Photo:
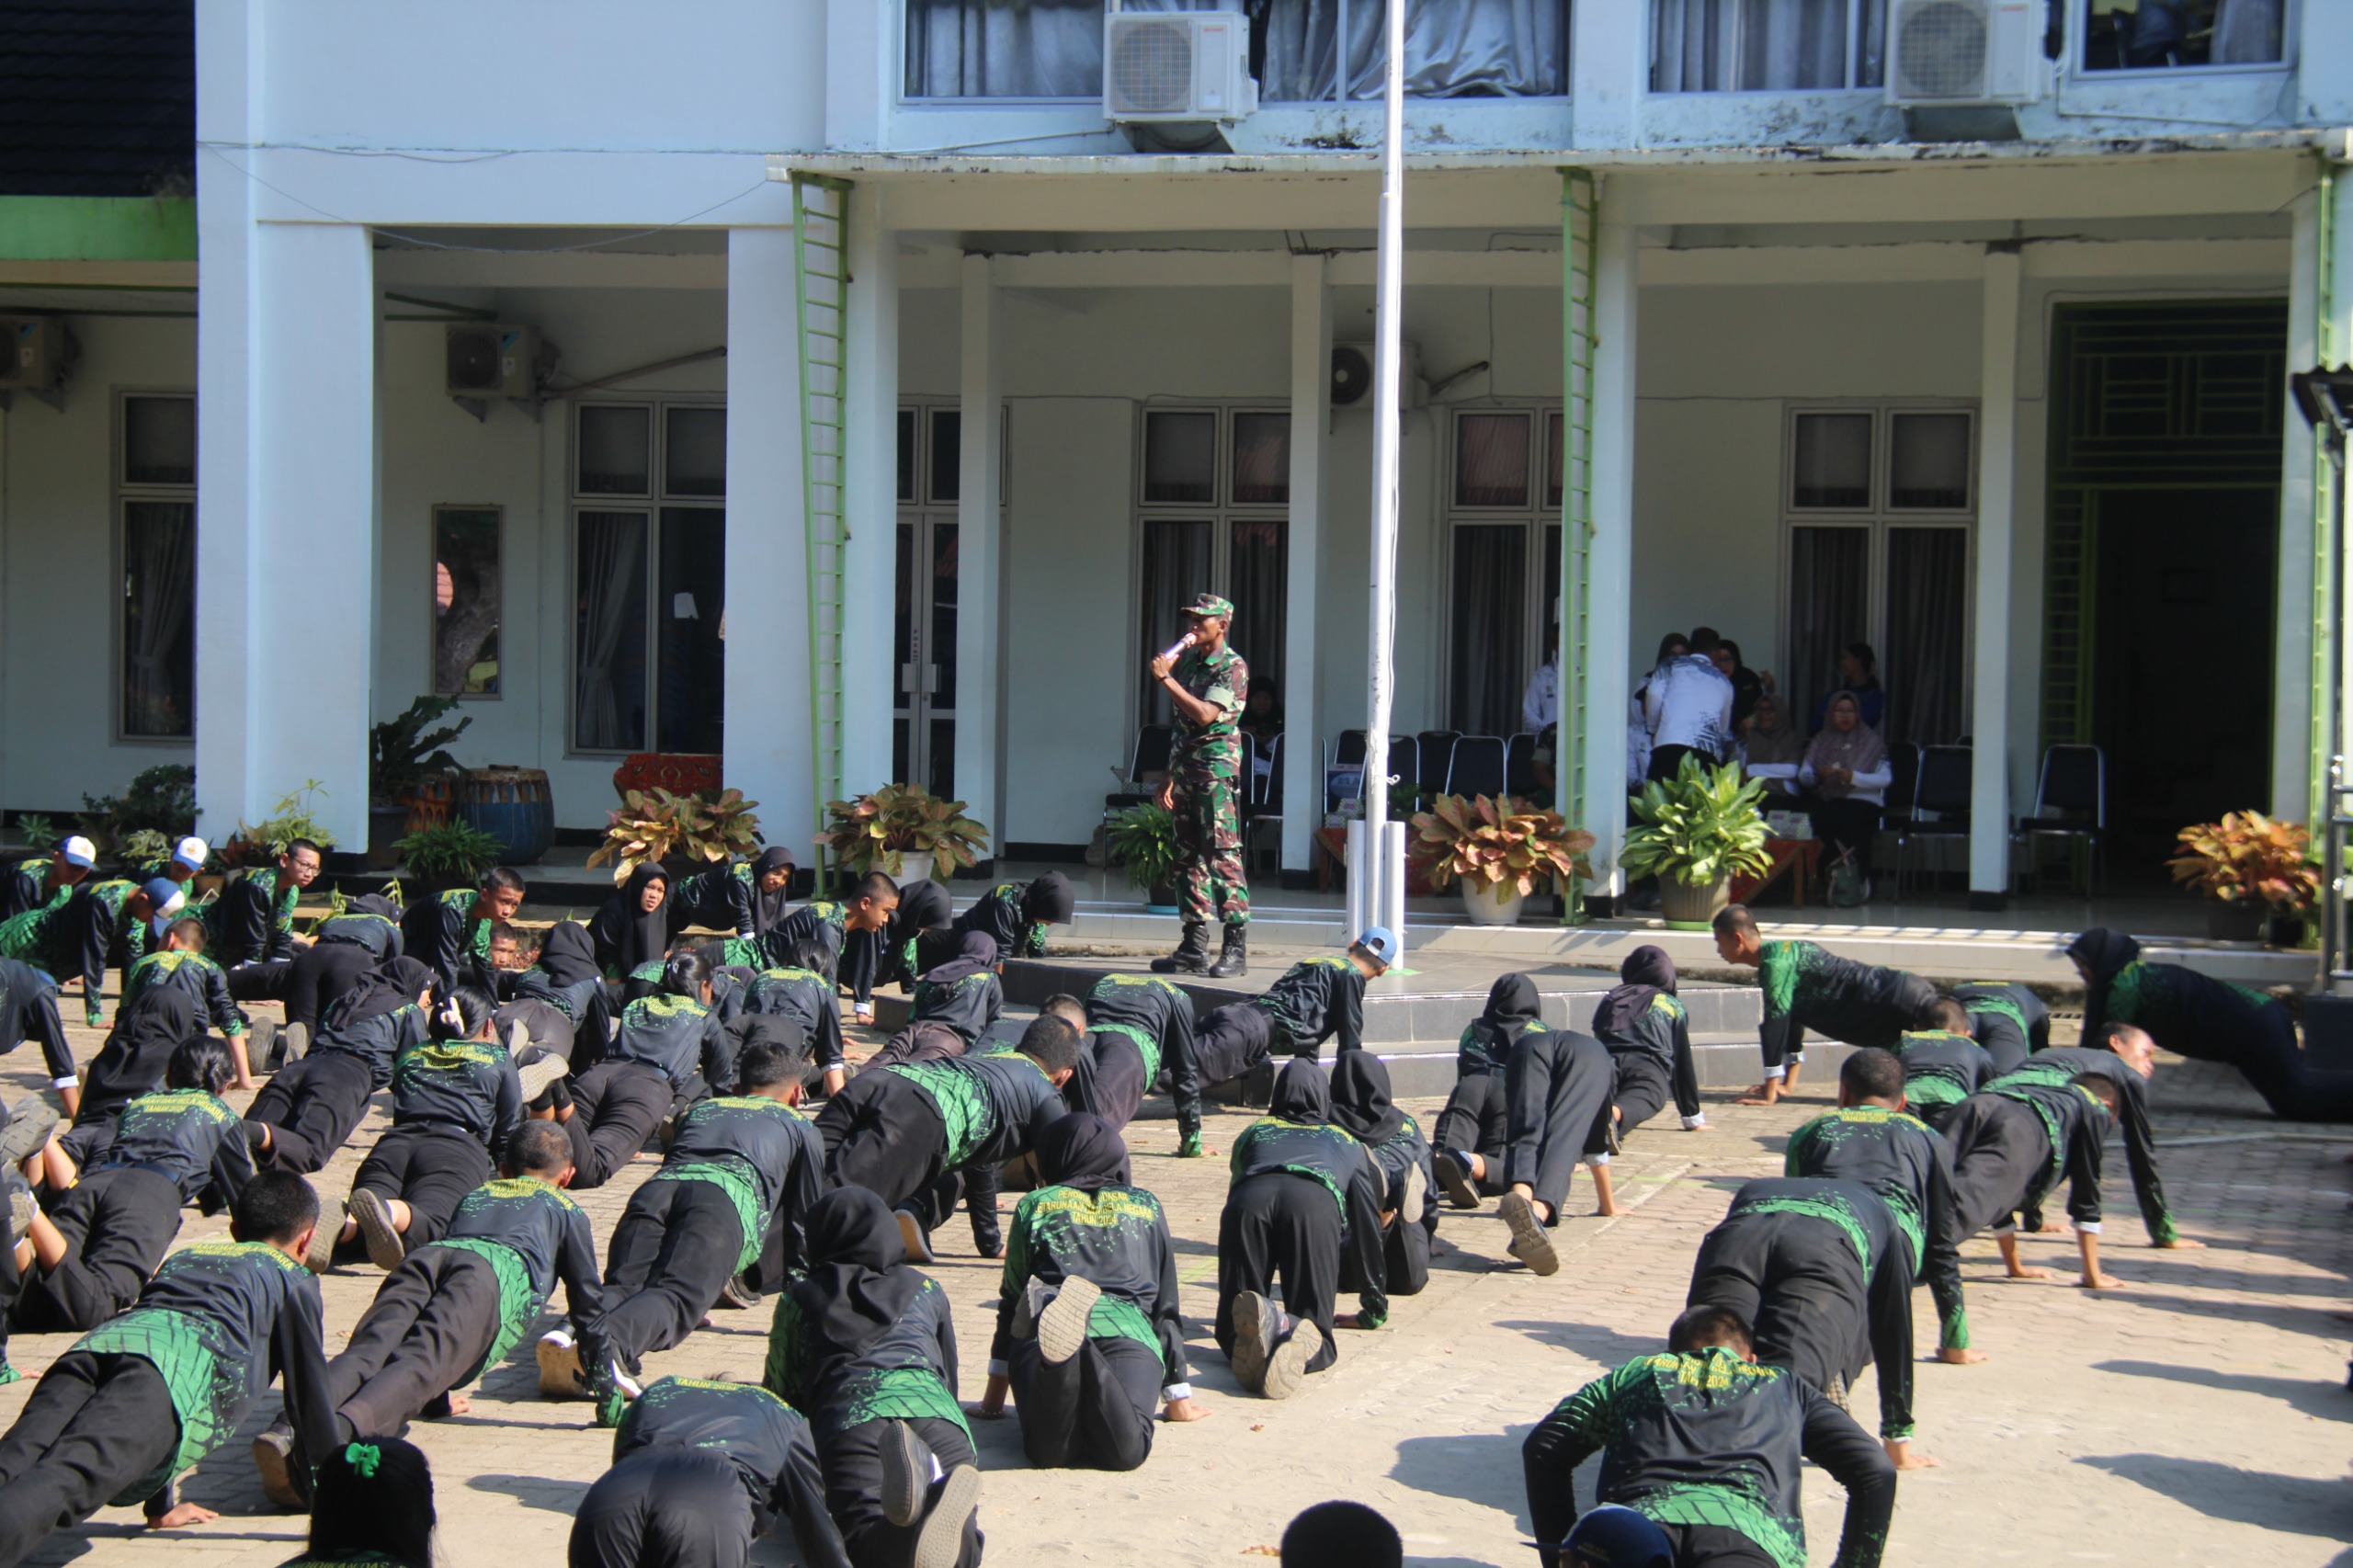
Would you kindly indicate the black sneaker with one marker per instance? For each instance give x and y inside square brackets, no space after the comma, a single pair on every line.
[1528,1242]
[386,1245]
[906,1474]
[941,1543]
[738,1292]
[1287,1367]
[1453,1175]
[273,1457]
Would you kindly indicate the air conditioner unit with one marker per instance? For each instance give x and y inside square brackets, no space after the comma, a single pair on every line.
[1959,52]
[36,353]
[486,362]
[1352,370]
[1178,66]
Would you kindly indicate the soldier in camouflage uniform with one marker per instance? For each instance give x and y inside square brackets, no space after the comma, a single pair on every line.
[1207,685]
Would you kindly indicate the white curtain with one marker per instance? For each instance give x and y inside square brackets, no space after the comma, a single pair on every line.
[1734,46]
[2247,32]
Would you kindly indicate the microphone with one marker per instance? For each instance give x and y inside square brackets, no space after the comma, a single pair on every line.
[1180,646]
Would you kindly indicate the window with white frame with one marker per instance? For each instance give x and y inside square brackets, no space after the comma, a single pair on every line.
[1502,541]
[1301,50]
[2165,34]
[155,509]
[1748,46]
[1879,508]
[649,576]
[1214,509]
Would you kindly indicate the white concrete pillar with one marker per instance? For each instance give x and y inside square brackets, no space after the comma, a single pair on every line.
[979,760]
[1311,424]
[870,502]
[768,716]
[862,67]
[1609,72]
[1611,592]
[2293,755]
[1989,722]
[285,549]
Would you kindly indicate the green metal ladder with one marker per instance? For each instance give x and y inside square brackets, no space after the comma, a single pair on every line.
[2325,609]
[821,306]
[1580,213]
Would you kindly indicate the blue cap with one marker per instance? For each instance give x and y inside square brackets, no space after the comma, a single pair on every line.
[78,851]
[166,896]
[1381,942]
[1615,1536]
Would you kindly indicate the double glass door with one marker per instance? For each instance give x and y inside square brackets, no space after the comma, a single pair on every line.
[923,645]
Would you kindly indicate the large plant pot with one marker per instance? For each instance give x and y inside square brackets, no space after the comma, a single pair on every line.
[2287,931]
[2236,919]
[1160,899]
[1680,904]
[914,867]
[386,825]
[511,805]
[433,802]
[1485,908]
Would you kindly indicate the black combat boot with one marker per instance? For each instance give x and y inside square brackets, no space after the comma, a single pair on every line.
[1192,954]
[1233,958]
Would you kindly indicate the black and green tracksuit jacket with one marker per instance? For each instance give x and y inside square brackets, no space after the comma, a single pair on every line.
[1116,1237]
[531,1235]
[1940,1069]
[469,1086]
[993,1107]
[1346,1169]
[764,1156]
[1909,1164]
[1314,1002]
[907,1374]
[1156,1014]
[189,1137]
[2050,1070]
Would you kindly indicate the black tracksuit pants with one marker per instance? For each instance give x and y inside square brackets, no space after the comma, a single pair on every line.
[854,1491]
[118,1224]
[1280,1224]
[1999,1146]
[672,1252]
[428,1166]
[551,1032]
[1092,1412]
[312,1108]
[42,1025]
[263,980]
[665,1507]
[1556,1088]
[1109,1080]
[616,1106]
[1477,1121]
[884,1133]
[1716,1545]
[434,1318]
[1644,1087]
[1405,1252]
[1797,1282]
[317,978]
[94,1424]
[1232,1041]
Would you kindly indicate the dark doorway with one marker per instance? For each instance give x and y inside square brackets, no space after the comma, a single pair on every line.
[2182,666]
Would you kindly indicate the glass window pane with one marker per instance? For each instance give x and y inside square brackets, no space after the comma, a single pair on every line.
[902,648]
[906,472]
[1829,607]
[1467,49]
[1259,573]
[942,652]
[1792,45]
[1548,593]
[1175,567]
[1180,458]
[465,602]
[694,457]
[1491,460]
[2155,35]
[986,49]
[609,633]
[692,606]
[1832,462]
[1555,450]
[1928,460]
[946,454]
[1262,458]
[1927,578]
[616,450]
[159,440]
[158,617]
[1489,610]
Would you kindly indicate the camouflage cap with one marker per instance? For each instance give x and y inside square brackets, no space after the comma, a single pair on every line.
[1210,606]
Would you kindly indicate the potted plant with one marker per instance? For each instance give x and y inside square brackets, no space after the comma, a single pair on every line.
[906,830]
[1142,842]
[2251,867]
[1697,828]
[450,855]
[290,819]
[1497,851]
[683,832]
[160,800]
[403,752]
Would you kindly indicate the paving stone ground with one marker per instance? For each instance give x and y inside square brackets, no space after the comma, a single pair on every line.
[2199,1416]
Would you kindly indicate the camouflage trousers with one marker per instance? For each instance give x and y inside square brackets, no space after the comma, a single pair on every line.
[1211,883]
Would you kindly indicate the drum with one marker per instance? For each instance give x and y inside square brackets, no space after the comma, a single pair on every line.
[432,801]
[511,805]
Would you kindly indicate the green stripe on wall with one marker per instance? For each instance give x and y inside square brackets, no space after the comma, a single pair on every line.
[96,228]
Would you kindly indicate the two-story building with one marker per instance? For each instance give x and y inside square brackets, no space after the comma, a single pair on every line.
[834,385]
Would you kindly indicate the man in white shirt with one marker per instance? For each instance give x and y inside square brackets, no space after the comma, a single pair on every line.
[1687,705]
[1540,704]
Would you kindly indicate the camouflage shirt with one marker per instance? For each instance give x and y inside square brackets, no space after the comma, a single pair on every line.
[1211,753]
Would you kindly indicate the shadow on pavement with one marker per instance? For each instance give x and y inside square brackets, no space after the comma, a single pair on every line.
[2291,1503]
[2323,1399]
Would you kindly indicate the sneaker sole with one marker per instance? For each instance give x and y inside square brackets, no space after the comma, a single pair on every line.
[296,1040]
[385,1248]
[321,1255]
[912,1237]
[906,1474]
[1528,1242]
[28,1132]
[1456,1182]
[22,1207]
[941,1544]
[1418,1191]
[540,1076]
[1251,1351]
[1287,1367]
[1062,1327]
[560,1370]
[276,1469]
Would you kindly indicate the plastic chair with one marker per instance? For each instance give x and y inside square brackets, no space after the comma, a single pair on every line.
[1519,766]
[1154,743]
[1348,751]
[1478,766]
[1940,802]
[1269,803]
[2070,801]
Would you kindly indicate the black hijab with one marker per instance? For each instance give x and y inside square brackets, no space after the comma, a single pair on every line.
[391,985]
[976,951]
[1082,1151]
[373,904]
[639,938]
[1512,1005]
[1049,899]
[769,909]
[1301,1094]
[1360,1097]
[922,906]
[858,1283]
[569,955]
[1646,972]
[2105,953]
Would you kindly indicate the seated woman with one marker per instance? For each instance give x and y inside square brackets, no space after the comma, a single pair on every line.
[1846,774]
[743,898]
[1772,749]
[632,930]
[1857,673]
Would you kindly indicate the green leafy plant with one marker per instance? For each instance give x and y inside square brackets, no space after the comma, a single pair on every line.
[878,831]
[160,799]
[404,750]
[452,853]
[290,819]
[1701,824]
[2248,858]
[1496,844]
[1142,842]
[38,831]
[142,847]
[655,824]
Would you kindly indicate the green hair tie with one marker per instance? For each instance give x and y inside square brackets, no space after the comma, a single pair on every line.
[363,1458]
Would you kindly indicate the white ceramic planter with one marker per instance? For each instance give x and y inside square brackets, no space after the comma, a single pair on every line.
[1485,908]
[914,867]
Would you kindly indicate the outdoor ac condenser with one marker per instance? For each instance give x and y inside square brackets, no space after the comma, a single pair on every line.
[486,362]
[1952,53]
[1352,367]
[1170,67]
[36,353]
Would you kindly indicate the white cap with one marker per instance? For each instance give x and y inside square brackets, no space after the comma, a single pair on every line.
[192,851]
[79,851]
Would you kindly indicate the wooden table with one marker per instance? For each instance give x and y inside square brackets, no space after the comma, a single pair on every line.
[1798,859]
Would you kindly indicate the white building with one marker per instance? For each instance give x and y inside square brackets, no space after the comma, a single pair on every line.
[2011,409]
